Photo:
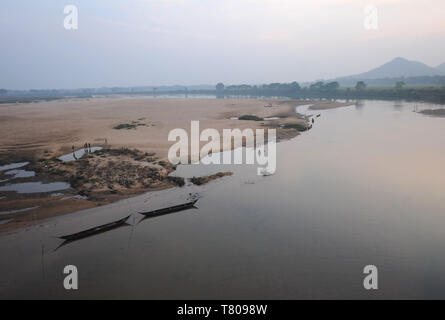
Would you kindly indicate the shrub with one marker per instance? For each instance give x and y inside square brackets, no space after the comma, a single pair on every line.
[179,181]
[126,126]
[298,126]
[250,117]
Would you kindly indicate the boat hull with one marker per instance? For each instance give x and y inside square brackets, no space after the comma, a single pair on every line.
[163,211]
[95,230]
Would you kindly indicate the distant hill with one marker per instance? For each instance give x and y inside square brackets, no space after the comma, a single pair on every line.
[441,67]
[397,68]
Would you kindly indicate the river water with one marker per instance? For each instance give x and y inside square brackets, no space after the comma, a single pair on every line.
[365,186]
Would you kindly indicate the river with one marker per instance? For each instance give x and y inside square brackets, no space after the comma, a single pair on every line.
[365,186]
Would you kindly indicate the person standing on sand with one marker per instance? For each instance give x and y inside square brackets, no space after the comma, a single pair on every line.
[74,154]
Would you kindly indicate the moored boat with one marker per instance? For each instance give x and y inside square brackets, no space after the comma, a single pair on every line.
[95,230]
[176,208]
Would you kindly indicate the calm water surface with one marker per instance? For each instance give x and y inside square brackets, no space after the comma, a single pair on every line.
[364,186]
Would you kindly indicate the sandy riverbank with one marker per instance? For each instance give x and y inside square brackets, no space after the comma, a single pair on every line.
[41,132]
[57,125]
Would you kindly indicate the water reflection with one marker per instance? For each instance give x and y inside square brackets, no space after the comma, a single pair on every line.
[398,105]
[359,104]
[362,187]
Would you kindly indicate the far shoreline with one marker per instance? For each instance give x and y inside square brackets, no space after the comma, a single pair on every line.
[440,113]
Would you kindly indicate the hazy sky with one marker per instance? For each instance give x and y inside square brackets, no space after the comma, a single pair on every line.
[166,42]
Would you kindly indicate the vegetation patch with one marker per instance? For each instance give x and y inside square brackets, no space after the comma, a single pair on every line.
[250,117]
[434,112]
[203,180]
[179,181]
[126,126]
[130,126]
[297,126]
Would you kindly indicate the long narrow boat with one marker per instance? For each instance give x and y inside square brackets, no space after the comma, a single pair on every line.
[96,230]
[160,212]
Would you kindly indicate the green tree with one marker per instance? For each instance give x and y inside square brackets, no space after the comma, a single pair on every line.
[332,86]
[316,86]
[295,86]
[400,85]
[360,86]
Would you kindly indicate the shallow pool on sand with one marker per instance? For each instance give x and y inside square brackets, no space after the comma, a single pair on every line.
[35,187]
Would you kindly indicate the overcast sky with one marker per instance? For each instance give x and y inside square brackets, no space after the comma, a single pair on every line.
[166,42]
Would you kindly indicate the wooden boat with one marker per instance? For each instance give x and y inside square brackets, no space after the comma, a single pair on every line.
[160,212]
[95,230]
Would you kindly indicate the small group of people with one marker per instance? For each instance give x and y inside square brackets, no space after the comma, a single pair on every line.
[86,148]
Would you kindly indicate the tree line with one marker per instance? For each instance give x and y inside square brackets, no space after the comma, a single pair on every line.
[333,90]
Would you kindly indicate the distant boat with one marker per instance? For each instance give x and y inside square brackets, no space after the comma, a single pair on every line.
[95,230]
[160,212]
